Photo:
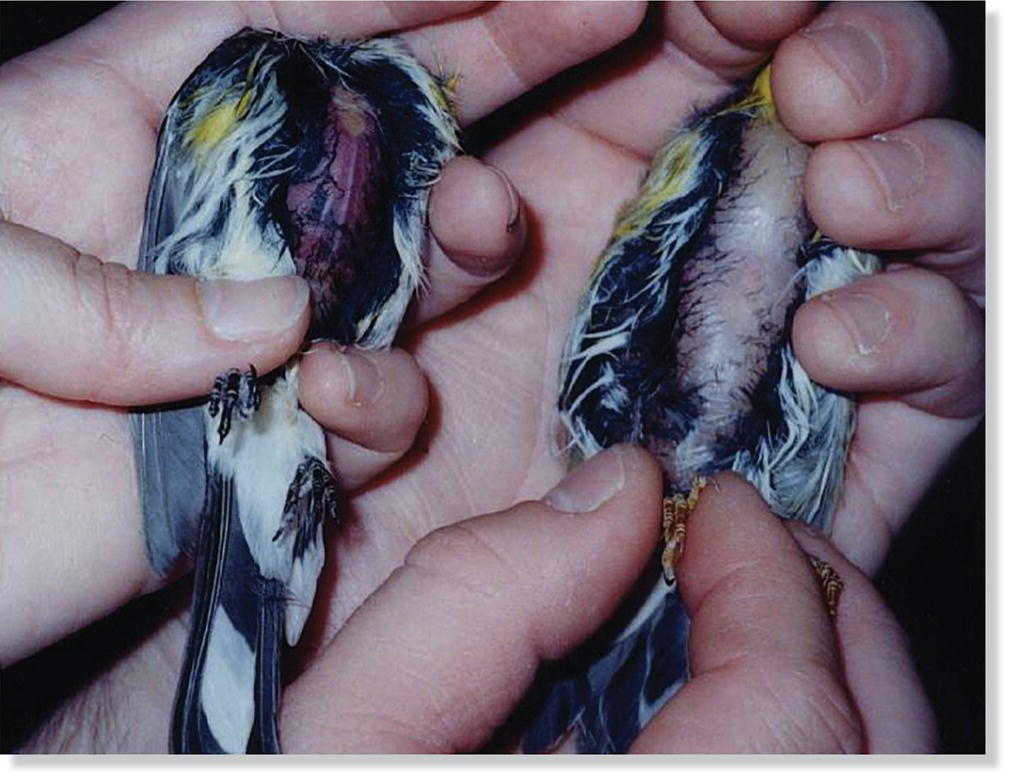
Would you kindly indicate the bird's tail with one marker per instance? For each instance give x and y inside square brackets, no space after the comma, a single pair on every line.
[229,687]
[606,702]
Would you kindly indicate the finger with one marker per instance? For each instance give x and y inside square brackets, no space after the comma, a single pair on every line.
[732,39]
[478,231]
[72,549]
[500,52]
[676,64]
[919,188]
[896,714]
[909,333]
[504,51]
[766,676]
[896,454]
[370,403]
[861,68]
[438,657]
[77,328]
[155,46]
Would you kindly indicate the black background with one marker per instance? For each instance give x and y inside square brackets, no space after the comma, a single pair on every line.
[934,579]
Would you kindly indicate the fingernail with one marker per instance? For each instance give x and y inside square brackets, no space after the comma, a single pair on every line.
[866,318]
[245,310]
[514,214]
[365,383]
[855,56]
[590,485]
[897,164]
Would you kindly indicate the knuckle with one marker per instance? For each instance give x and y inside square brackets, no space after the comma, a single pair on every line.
[465,559]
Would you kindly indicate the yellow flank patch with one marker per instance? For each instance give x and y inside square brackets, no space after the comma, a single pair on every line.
[666,181]
[442,94]
[759,98]
[209,131]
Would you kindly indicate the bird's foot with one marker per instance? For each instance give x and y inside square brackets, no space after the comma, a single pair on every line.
[312,498]
[830,583]
[234,392]
[674,513]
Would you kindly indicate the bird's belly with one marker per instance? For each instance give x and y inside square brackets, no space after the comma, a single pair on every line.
[261,455]
[736,292]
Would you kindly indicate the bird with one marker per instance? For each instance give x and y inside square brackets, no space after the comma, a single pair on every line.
[278,155]
[681,344]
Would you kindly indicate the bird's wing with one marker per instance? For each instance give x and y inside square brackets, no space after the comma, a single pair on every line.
[799,468]
[168,442]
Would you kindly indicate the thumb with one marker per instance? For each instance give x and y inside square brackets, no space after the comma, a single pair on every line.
[75,327]
[438,657]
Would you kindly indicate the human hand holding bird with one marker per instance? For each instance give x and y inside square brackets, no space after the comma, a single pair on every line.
[472,373]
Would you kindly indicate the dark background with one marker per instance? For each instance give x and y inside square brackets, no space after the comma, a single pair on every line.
[934,579]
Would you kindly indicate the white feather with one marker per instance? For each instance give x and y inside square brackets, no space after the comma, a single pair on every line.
[227,684]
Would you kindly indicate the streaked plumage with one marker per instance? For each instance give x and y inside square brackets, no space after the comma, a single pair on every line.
[277,156]
[681,343]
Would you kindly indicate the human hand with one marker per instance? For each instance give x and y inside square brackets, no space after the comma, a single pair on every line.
[920,383]
[81,337]
[78,334]
[576,156]
[440,655]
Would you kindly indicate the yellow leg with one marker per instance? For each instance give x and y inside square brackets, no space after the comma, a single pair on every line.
[674,513]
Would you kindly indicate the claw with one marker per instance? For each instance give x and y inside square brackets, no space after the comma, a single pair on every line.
[675,512]
[233,392]
[312,498]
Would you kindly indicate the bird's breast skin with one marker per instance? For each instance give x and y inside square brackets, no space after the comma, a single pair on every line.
[336,207]
[735,293]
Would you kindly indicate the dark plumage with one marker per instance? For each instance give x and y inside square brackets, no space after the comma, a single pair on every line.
[681,344]
[277,156]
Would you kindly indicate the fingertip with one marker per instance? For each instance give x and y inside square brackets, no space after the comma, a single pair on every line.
[885,687]
[476,217]
[253,310]
[760,634]
[729,519]
[860,69]
[479,230]
[84,329]
[909,332]
[375,399]
[918,188]
[757,25]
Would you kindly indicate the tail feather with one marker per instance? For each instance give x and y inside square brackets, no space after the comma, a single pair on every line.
[607,703]
[267,689]
[229,685]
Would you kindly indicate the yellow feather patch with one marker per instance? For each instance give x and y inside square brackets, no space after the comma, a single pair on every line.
[210,129]
[759,98]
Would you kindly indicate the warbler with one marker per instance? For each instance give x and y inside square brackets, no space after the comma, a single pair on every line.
[277,156]
[681,344]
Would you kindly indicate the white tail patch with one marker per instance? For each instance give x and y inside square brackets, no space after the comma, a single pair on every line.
[227,683]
